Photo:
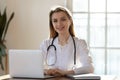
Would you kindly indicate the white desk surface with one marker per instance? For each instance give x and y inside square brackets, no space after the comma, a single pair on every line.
[103,77]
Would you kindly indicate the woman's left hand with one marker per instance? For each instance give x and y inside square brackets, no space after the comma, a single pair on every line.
[55,72]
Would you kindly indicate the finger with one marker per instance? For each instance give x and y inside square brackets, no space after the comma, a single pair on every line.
[61,72]
[51,71]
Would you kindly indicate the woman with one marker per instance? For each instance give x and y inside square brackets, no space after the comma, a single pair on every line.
[71,54]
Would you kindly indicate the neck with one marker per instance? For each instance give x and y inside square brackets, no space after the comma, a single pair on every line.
[63,38]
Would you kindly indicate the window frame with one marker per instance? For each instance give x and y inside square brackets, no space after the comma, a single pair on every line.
[69,5]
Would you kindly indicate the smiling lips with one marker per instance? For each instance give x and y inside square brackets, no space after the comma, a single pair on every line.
[60,28]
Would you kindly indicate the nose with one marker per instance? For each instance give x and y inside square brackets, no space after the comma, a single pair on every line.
[59,23]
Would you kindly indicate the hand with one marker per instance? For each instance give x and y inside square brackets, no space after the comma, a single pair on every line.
[54,72]
[57,72]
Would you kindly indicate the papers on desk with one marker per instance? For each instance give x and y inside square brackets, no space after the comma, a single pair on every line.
[109,77]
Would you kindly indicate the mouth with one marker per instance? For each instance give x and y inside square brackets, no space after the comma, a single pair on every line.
[60,28]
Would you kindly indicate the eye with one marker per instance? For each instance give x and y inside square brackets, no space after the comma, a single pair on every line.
[63,19]
[54,20]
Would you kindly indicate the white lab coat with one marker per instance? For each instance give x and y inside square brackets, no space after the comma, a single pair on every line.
[65,55]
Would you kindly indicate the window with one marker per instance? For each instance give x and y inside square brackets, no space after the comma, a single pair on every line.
[98,22]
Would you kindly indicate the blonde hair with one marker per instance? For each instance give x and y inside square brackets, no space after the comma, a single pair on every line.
[53,33]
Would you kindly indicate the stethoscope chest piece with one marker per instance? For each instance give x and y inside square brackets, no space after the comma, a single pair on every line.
[74,67]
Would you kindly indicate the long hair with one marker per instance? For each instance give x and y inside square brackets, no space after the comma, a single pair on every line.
[53,33]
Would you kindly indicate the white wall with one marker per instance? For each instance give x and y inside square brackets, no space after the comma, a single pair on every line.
[30,24]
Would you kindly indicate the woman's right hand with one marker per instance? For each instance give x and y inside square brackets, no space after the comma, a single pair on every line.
[50,72]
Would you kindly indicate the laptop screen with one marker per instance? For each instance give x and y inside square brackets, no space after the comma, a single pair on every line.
[26,63]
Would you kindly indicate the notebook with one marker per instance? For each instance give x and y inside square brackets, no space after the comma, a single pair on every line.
[85,77]
[26,64]
[93,77]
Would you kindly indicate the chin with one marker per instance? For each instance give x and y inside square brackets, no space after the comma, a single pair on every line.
[60,32]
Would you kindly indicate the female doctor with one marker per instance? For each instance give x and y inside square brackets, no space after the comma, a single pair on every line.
[63,52]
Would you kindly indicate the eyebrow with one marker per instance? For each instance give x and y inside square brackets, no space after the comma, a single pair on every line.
[63,17]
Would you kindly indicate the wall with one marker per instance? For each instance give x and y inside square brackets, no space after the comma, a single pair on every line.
[30,24]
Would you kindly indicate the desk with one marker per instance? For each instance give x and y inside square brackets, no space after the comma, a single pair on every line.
[7,77]
[103,77]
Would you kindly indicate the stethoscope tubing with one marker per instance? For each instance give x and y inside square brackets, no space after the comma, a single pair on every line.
[52,45]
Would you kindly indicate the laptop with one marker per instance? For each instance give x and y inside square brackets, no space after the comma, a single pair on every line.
[26,64]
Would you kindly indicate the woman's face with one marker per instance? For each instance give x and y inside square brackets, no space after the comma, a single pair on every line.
[61,22]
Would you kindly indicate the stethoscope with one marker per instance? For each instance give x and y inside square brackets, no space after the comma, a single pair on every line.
[52,60]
